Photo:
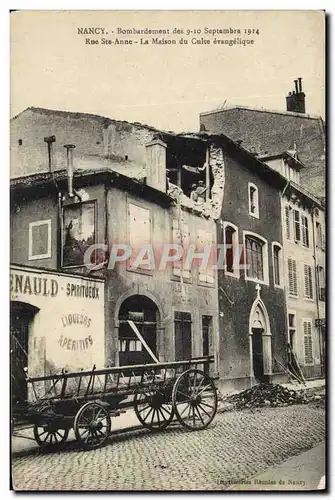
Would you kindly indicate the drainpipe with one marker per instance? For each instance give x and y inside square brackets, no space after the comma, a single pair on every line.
[317,287]
[50,140]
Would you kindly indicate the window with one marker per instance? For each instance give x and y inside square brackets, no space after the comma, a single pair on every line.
[288,221]
[322,284]
[308,343]
[297,230]
[183,335]
[304,227]
[277,264]
[229,233]
[319,236]
[206,322]
[291,330]
[292,277]
[231,249]
[254,258]
[130,345]
[308,282]
[139,236]
[205,244]
[253,200]
[79,232]
[39,246]
[181,237]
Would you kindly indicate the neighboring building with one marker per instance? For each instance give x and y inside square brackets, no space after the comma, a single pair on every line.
[266,132]
[252,305]
[303,222]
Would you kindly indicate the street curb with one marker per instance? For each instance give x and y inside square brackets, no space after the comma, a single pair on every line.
[231,488]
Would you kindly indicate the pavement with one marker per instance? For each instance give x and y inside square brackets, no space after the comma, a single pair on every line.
[304,472]
[238,445]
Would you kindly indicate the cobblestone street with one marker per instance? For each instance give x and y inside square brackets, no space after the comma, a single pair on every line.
[236,446]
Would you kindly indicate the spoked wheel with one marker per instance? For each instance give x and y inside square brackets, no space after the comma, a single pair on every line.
[153,408]
[92,425]
[47,438]
[194,399]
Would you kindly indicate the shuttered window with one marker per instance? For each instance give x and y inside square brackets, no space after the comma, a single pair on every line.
[305,235]
[318,235]
[292,277]
[308,343]
[322,283]
[308,282]
[205,240]
[288,222]
[181,236]
[297,229]
[139,230]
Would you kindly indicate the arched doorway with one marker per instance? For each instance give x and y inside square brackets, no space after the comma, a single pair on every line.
[21,315]
[144,313]
[260,342]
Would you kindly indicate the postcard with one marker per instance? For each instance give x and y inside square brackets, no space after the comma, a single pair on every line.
[168,250]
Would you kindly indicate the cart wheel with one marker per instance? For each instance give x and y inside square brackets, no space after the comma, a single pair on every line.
[194,399]
[92,425]
[47,439]
[153,408]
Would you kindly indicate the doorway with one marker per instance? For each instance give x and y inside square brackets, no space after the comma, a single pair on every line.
[144,313]
[183,335]
[260,339]
[257,354]
[21,315]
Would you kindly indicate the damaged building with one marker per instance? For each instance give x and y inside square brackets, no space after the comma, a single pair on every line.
[79,180]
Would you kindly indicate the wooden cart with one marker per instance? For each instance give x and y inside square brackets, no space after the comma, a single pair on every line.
[88,400]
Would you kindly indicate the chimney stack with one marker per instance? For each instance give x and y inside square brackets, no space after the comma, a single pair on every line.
[295,101]
[156,164]
[69,156]
[50,140]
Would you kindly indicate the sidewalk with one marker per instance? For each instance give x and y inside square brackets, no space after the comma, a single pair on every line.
[304,472]
[124,422]
[310,384]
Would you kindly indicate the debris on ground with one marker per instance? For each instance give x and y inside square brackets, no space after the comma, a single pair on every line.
[269,395]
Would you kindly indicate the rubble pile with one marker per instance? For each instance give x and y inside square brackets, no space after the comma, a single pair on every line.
[268,395]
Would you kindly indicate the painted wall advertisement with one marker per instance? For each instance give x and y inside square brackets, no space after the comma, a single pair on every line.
[67,330]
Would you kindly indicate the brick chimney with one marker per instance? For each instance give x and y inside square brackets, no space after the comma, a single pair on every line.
[295,101]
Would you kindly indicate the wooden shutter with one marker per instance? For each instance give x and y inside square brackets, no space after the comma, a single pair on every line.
[308,344]
[206,239]
[292,276]
[288,222]
[139,231]
[305,235]
[308,282]
[297,229]
[322,283]
[181,236]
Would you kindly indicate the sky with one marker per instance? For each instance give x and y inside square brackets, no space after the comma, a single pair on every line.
[165,86]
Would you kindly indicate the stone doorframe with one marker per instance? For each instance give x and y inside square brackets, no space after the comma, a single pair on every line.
[259,318]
